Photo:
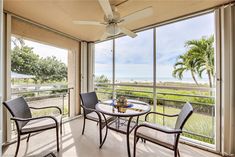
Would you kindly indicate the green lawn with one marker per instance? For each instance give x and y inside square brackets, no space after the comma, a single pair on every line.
[43,112]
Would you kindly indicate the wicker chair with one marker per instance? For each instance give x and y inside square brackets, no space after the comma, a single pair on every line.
[162,135]
[26,124]
[89,100]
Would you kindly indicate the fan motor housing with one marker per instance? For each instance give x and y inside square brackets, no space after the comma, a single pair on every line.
[115,19]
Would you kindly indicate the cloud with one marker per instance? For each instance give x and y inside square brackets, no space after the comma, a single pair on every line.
[135,51]
[103,69]
[171,38]
[104,52]
[134,70]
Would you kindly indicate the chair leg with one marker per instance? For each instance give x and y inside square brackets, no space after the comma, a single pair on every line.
[28,138]
[175,153]
[134,149]
[105,136]
[18,145]
[84,123]
[100,134]
[57,138]
[61,127]
[178,151]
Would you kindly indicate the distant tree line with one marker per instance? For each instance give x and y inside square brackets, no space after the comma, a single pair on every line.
[199,58]
[101,79]
[25,61]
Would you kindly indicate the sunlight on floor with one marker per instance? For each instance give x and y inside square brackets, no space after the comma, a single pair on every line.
[73,144]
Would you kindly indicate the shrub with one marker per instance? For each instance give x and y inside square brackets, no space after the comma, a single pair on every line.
[30,94]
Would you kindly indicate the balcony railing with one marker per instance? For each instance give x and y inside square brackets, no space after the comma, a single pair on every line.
[44,97]
[62,95]
[169,99]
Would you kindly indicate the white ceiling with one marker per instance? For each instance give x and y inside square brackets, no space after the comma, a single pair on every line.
[59,14]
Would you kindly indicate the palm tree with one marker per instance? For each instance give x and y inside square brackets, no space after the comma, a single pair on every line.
[185,63]
[203,52]
[198,59]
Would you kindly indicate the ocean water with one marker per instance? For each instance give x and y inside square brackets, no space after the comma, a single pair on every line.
[160,79]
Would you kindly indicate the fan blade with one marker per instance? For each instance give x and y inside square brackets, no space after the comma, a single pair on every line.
[88,23]
[127,32]
[138,15]
[105,5]
[104,36]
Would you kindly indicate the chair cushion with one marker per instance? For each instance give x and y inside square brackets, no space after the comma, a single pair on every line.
[161,138]
[38,124]
[94,116]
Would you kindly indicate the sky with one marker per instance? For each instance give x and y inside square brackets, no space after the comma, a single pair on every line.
[134,57]
[44,50]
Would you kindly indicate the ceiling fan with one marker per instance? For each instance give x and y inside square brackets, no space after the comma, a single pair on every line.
[113,22]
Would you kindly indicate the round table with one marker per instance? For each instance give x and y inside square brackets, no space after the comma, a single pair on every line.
[123,125]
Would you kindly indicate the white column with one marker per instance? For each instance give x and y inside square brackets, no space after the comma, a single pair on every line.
[84,67]
[91,66]
[228,80]
[1,71]
[74,80]
[6,76]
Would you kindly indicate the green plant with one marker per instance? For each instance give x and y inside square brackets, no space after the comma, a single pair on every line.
[59,91]
[25,61]
[30,94]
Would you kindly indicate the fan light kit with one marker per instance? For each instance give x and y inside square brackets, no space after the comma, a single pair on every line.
[113,22]
[112,29]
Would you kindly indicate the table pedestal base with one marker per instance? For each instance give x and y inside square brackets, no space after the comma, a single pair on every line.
[124,126]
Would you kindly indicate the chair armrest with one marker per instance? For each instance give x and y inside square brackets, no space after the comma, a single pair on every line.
[93,110]
[85,108]
[35,118]
[167,115]
[173,131]
[89,109]
[39,108]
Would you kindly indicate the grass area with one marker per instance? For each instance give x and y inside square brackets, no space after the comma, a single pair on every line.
[43,112]
[207,97]
[167,94]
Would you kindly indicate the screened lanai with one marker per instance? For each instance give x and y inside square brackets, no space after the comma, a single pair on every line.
[143,60]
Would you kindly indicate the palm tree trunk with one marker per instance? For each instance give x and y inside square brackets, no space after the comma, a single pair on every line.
[209,77]
[210,81]
[194,78]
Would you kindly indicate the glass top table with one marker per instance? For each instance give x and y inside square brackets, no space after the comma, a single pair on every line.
[124,122]
[134,108]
